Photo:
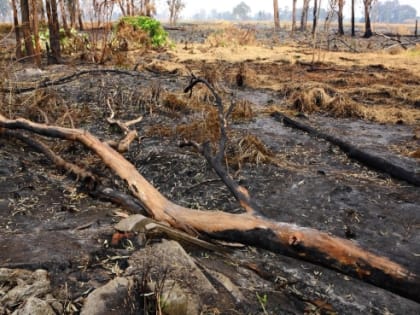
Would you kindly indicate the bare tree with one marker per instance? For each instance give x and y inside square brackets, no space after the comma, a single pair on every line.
[175,8]
[368,27]
[276,14]
[35,31]
[314,16]
[54,56]
[353,32]
[340,17]
[304,16]
[294,16]
[64,16]
[17,30]
[26,29]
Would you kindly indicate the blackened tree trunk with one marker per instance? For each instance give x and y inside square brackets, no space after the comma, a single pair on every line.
[64,17]
[368,27]
[71,4]
[276,14]
[79,15]
[35,29]
[17,30]
[353,31]
[54,56]
[294,16]
[340,17]
[304,16]
[315,16]
[26,29]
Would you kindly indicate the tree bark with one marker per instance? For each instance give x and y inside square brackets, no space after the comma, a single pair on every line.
[276,14]
[26,29]
[17,31]
[314,16]
[294,16]
[353,31]
[54,28]
[304,16]
[284,238]
[64,17]
[368,26]
[340,17]
[79,15]
[35,28]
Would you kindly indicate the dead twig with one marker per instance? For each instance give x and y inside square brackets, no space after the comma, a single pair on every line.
[216,160]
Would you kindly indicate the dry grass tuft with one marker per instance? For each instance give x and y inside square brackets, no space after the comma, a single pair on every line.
[202,129]
[232,36]
[174,103]
[5,28]
[250,149]
[312,98]
[243,76]
[160,130]
[129,38]
[415,154]
[242,111]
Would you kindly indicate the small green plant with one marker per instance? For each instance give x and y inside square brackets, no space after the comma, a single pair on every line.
[263,301]
[158,36]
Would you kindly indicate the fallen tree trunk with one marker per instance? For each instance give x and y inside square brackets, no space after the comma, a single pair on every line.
[373,161]
[284,238]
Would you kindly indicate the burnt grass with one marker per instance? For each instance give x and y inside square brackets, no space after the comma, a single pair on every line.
[48,220]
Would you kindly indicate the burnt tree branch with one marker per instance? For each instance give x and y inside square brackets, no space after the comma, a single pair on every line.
[353,152]
[284,238]
[216,161]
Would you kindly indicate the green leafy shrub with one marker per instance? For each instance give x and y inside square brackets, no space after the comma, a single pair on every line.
[157,35]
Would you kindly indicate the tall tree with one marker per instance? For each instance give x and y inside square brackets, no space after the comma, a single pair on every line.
[304,16]
[294,16]
[276,14]
[54,56]
[340,17]
[241,11]
[64,16]
[314,16]
[26,29]
[368,27]
[353,31]
[175,7]
[17,30]
[35,30]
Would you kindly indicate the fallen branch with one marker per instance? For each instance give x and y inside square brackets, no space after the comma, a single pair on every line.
[91,183]
[130,135]
[355,153]
[66,79]
[303,243]
[404,46]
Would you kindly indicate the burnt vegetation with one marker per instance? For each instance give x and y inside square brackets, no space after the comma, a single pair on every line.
[306,142]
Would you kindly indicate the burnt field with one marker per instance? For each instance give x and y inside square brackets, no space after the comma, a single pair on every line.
[361,92]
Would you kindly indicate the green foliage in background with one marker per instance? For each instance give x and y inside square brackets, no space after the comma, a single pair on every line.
[158,36]
[72,42]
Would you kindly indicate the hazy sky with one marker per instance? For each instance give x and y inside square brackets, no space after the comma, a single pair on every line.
[193,6]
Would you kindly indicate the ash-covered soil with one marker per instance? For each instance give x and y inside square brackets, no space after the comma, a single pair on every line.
[48,222]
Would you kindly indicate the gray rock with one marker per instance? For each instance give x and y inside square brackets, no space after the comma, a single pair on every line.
[34,306]
[112,298]
[180,285]
[23,284]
